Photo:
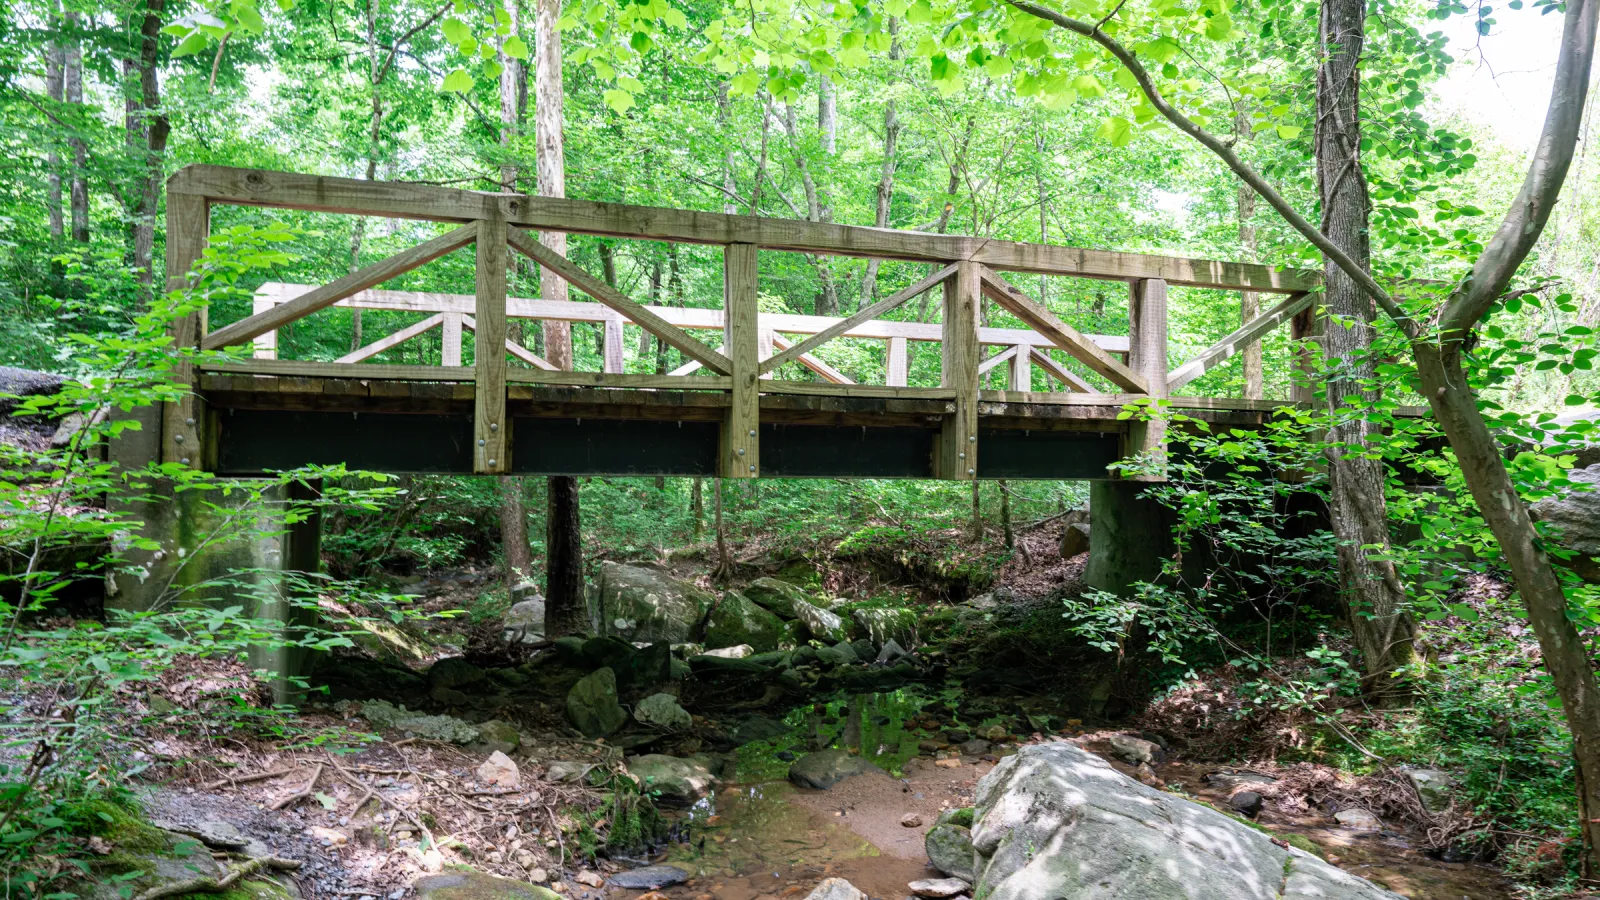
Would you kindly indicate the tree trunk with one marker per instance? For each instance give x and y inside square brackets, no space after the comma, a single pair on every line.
[1374,599]
[977,512]
[72,77]
[1005,515]
[146,130]
[514,531]
[513,494]
[697,507]
[55,63]
[1249,301]
[828,115]
[724,566]
[565,609]
[564,603]
[880,217]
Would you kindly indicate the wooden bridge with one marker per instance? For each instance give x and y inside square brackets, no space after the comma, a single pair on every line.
[726,411]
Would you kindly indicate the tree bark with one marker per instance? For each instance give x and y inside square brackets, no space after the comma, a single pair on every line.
[1249,301]
[880,217]
[1373,597]
[514,531]
[513,495]
[564,602]
[55,63]
[145,138]
[72,77]
[828,114]
[565,609]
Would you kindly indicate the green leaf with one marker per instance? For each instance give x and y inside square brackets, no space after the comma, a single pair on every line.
[920,13]
[455,30]
[194,43]
[674,18]
[1576,400]
[1117,130]
[998,67]
[1289,132]
[515,47]
[1219,27]
[458,82]
[1464,611]
[620,101]
[1089,86]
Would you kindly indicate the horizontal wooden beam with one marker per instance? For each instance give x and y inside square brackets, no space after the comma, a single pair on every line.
[1036,316]
[260,187]
[619,380]
[530,247]
[329,294]
[817,389]
[356,371]
[691,319]
[1240,338]
[384,343]
[892,301]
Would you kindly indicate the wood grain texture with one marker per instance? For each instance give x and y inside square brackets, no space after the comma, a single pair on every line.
[1147,306]
[491,430]
[740,454]
[1238,340]
[515,349]
[183,421]
[1059,372]
[893,301]
[811,362]
[898,363]
[359,371]
[450,338]
[599,290]
[955,454]
[615,380]
[319,298]
[258,187]
[1059,333]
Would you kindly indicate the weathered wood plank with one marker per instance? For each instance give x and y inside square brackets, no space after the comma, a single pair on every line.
[256,187]
[450,339]
[611,343]
[491,429]
[182,421]
[995,360]
[897,369]
[740,455]
[956,447]
[1240,338]
[393,340]
[816,389]
[1022,369]
[1059,372]
[295,367]
[1147,315]
[893,301]
[1059,333]
[605,293]
[266,344]
[318,298]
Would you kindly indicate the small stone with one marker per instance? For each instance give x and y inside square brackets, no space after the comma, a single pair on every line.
[500,771]
[539,875]
[975,747]
[835,889]
[652,895]
[738,652]
[994,733]
[591,879]
[911,820]
[930,747]
[951,763]
[331,837]
[650,878]
[1147,776]
[1133,750]
[1358,819]
[523,858]
[939,888]
[1247,802]
[957,735]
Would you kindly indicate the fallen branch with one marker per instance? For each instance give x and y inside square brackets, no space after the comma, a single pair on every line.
[218,885]
[302,793]
[246,779]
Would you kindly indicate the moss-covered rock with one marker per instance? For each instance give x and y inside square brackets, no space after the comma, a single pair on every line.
[472,885]
[592,705]
[640,604]
[883,625]
[776,596]
[736,620]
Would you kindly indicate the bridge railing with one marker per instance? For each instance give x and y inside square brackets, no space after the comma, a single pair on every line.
[965,270]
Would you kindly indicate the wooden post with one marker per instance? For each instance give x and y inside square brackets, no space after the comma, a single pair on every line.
[741,446]
[450,340]
[764,346]
[612,360]
[899,360]
[1147,342]
[1305,329]
[1022,368]
[188,226]
[266,344]
[956,451]
[490,428]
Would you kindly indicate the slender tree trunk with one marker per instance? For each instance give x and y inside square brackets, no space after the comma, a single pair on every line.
[513,496]
[514,531]
[55,63]
[977,512]
[72,77]
[146,129]
[880,217]
[1249,301]
[1005,515]
[697,507]
[724,566]
[1039,148]
[564,602]
[1374,598]
[827,302]
[828,115]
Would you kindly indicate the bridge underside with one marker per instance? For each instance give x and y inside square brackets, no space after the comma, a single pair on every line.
[259,423]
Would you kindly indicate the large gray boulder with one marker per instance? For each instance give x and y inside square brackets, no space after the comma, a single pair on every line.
[1057,821]
[735,621]
[826,768]
[776,596]
[524,621]
[950,850]
[644,605]
[673,779]
[880,626]
[1573,519]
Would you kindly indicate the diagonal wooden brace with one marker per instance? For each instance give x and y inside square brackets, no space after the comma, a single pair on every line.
[1046,323]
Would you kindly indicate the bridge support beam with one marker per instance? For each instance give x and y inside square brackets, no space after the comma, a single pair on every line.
[1147,342]
[740,453]
[955,456]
